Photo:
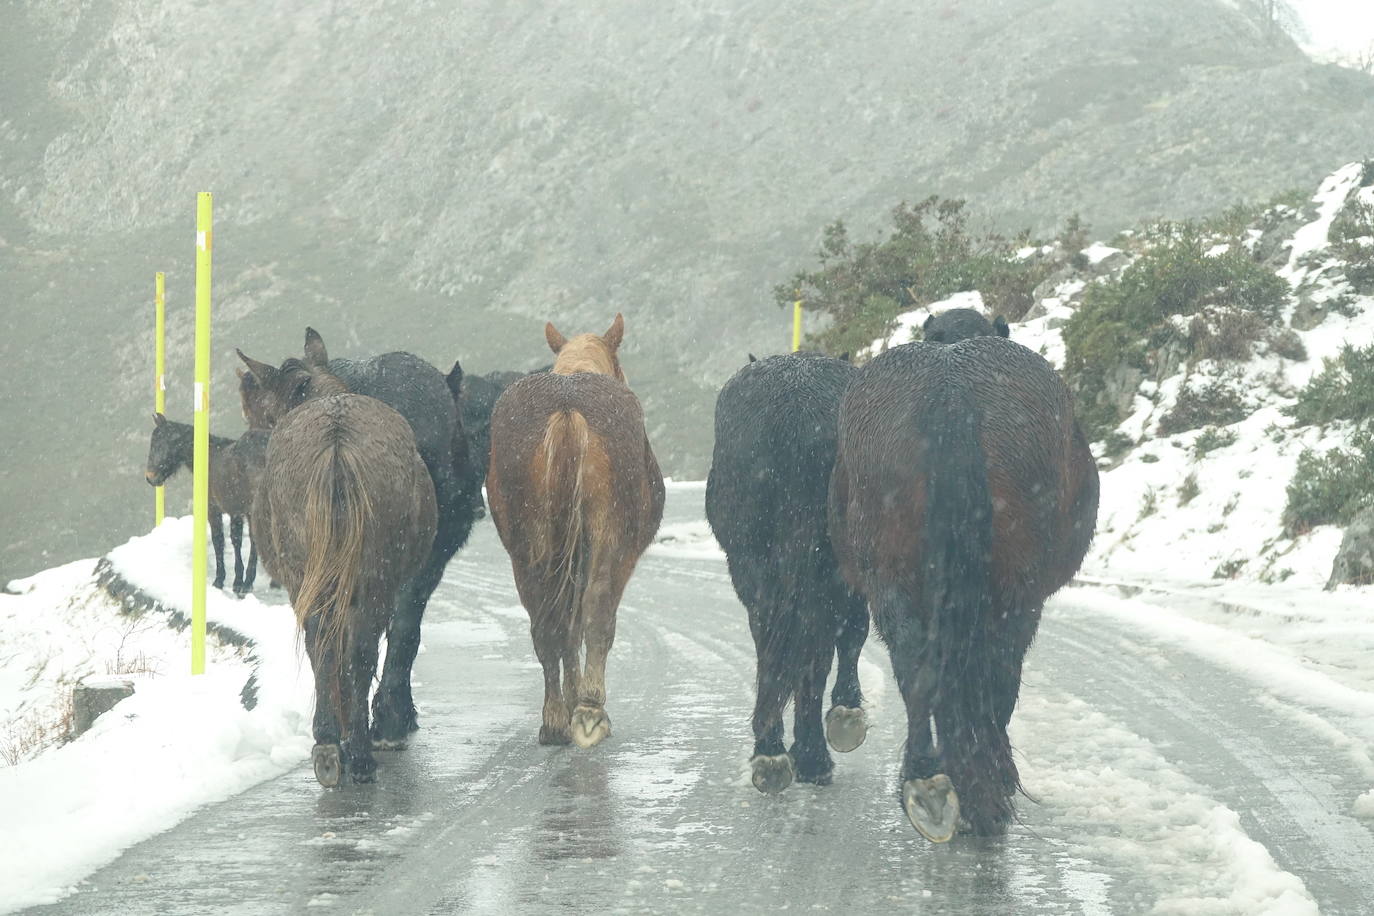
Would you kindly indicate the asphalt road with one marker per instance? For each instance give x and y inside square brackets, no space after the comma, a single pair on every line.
[475,817]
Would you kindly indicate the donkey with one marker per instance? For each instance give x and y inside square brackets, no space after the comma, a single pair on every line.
[963,496]
[235,467]
[421,394]
[345,515]
[576,495]
[766,502]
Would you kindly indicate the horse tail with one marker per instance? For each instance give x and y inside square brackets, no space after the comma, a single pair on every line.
[337,514]
[957,588]
[564,449]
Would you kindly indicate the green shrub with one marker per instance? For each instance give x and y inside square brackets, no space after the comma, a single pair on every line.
[1211,439]
[1215,403]
[1329,488]
[1343,390]
[1175,277]
[1352,240]
[1188,490]
[930,254]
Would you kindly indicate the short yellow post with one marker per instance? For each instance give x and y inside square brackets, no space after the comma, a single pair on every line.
[160,379]
[796,326]
[200,501]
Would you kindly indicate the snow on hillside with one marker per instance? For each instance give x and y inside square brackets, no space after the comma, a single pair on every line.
[1207,503]
[178,743]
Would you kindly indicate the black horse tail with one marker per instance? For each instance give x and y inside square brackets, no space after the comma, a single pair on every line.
[957,587]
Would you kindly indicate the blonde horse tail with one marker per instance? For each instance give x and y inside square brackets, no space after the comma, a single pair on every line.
[565,459]
[337,514]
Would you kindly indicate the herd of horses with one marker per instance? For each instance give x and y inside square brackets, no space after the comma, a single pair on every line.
[943,492]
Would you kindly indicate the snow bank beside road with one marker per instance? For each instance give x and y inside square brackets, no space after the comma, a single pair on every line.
[180,742]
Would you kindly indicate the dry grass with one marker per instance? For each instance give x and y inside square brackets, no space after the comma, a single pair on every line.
[36,731]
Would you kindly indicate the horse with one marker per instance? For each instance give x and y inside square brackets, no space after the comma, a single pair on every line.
[954,325]
[766,494]
[235,467]
[963,496]
[421,394]
[344,515]
[577,496]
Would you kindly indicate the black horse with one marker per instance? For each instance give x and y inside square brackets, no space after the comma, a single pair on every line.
[963,496]
[766,502]
[421,394]
[476,396]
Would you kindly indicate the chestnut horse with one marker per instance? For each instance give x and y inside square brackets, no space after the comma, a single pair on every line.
[343,517]
[577,496]
[963,496]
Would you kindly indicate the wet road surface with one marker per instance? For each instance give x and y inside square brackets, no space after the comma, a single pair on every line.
[475,817]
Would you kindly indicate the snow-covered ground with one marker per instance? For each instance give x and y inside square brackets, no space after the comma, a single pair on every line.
[179,742]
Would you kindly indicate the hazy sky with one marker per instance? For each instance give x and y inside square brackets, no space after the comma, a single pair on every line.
[1337,28]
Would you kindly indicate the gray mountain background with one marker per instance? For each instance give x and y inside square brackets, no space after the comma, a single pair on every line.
[444,177]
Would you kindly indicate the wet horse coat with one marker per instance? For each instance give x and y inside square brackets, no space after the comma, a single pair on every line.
[577,496]
[344,516]
[963,496]
[422,395]
[774,452]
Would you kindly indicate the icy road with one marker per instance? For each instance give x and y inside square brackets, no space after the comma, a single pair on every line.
[1163,780]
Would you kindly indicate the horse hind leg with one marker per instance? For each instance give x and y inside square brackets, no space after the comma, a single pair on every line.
[393,707]
[846,724]
[591,724]
[549,640]
[363,634]
[217,541]
[810,756]
[771,766]
[928,796]
[326,755]
[236,539]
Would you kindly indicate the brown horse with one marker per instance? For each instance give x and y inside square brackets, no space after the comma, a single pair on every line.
[344,516]
[424,397]
[963,496]
[577,496]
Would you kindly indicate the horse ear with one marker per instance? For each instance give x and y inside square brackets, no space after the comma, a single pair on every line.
[616,333]
[556,340]
[261,371]
[159,419]
[844,357]
[925,326]
[455,379]
[753,358]
[999,324]
[316,357]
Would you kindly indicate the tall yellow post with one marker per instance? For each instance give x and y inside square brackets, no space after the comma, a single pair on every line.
[160,379]
[796,326]
[201,457]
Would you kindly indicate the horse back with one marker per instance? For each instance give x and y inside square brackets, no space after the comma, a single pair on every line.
[413,388]
[360,450]
[987,406]
[538,423]
[775,445]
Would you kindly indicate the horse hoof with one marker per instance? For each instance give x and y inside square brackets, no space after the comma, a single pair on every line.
[554,736]
[846,727]
[363,771]
[387,744]
[590,726]
[932,806]
[772,773]
[328,764]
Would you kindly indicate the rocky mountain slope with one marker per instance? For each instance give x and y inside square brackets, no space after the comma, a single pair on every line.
[445,177]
